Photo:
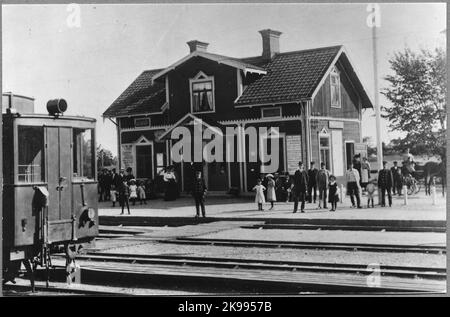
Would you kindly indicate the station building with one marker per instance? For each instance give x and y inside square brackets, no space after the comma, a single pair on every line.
[313,96]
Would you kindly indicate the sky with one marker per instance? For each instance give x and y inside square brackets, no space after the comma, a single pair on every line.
[47,53]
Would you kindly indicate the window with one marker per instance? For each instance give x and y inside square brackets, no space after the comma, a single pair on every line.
[324,150]
[83,153]
[335,83]
[274,112]
[141,122]
[202,93]
[31,154]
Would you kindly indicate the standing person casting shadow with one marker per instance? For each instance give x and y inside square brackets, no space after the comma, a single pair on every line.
[124,194]
[271,195]
[199,192]
[385,182]
[353,186]
[299,187]
[171,184]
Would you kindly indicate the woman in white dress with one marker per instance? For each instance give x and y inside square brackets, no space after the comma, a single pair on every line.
[259,197]
[365,173]
[271,196]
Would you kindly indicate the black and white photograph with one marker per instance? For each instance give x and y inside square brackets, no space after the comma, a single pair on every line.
[223,149]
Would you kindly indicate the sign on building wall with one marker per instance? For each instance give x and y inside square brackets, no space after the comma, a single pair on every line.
[336,124]
[293,152]
[127,156]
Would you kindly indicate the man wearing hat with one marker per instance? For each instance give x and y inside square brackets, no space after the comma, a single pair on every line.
[385,182]
[397,177]
[299,187]
[312,184]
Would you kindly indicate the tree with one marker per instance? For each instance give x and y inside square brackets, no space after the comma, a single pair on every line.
[417,93]
[105,157]
[371,149]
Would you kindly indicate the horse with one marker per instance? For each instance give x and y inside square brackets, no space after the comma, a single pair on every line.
[431,171]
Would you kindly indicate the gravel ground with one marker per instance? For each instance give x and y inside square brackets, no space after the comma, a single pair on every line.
[419,208]
[337,236]
[326,256]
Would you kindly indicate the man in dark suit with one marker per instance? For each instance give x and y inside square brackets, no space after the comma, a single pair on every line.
[299,187]
[199,192]
[114,178]
[385,182]
[312,183]
[397,177]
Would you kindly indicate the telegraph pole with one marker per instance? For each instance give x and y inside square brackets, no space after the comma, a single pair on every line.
[373,21]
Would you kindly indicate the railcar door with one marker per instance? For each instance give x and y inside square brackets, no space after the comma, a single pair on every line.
[59,167]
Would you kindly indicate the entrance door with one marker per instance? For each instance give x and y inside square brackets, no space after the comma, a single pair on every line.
[217,178]
[59,167]
[349,152]
[144,161]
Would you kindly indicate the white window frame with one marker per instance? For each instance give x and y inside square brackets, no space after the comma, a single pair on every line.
[327,135]
[143,126]
[199,78]
[335,73]
[271,117]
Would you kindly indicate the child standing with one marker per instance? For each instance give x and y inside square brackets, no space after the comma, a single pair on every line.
[112,194]
[141,193]
[271,196]
[124,194]
[370,188]
[133,191]
[259,197]
[333,196]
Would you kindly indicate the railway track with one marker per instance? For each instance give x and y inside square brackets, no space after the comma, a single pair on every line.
[233,263]
[310,245]
[383,228]
[269,275]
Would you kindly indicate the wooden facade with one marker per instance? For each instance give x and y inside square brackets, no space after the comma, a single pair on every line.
[310,128]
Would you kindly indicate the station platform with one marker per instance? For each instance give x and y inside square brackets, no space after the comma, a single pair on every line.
[419,212]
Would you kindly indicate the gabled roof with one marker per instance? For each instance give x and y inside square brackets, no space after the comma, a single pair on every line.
[291,76]
[141,97]
[230,61]
[296,76]
[287,77]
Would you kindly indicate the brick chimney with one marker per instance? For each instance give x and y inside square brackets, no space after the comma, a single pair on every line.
[271,42]
[197,46]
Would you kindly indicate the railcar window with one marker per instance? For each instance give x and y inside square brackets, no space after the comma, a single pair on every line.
[31,154]
[83,149]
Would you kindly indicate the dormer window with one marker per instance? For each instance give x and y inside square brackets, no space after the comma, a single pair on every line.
[335,86]
[202,93]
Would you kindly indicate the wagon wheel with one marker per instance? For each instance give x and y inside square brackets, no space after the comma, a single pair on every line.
[411,189]
[417,186]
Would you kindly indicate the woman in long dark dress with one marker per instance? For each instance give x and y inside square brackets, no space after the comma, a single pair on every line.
[171,184]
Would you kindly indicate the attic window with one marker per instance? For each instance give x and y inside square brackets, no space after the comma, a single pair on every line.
[272,112]
[335,86]
[141,122]
[202,93]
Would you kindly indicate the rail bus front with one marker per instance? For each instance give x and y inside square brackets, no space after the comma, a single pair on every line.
[50,186]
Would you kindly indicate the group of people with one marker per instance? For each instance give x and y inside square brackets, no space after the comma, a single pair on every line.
[302,188]
[306,183]
[121,187]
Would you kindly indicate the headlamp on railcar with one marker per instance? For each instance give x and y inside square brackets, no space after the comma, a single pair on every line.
[56,107]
